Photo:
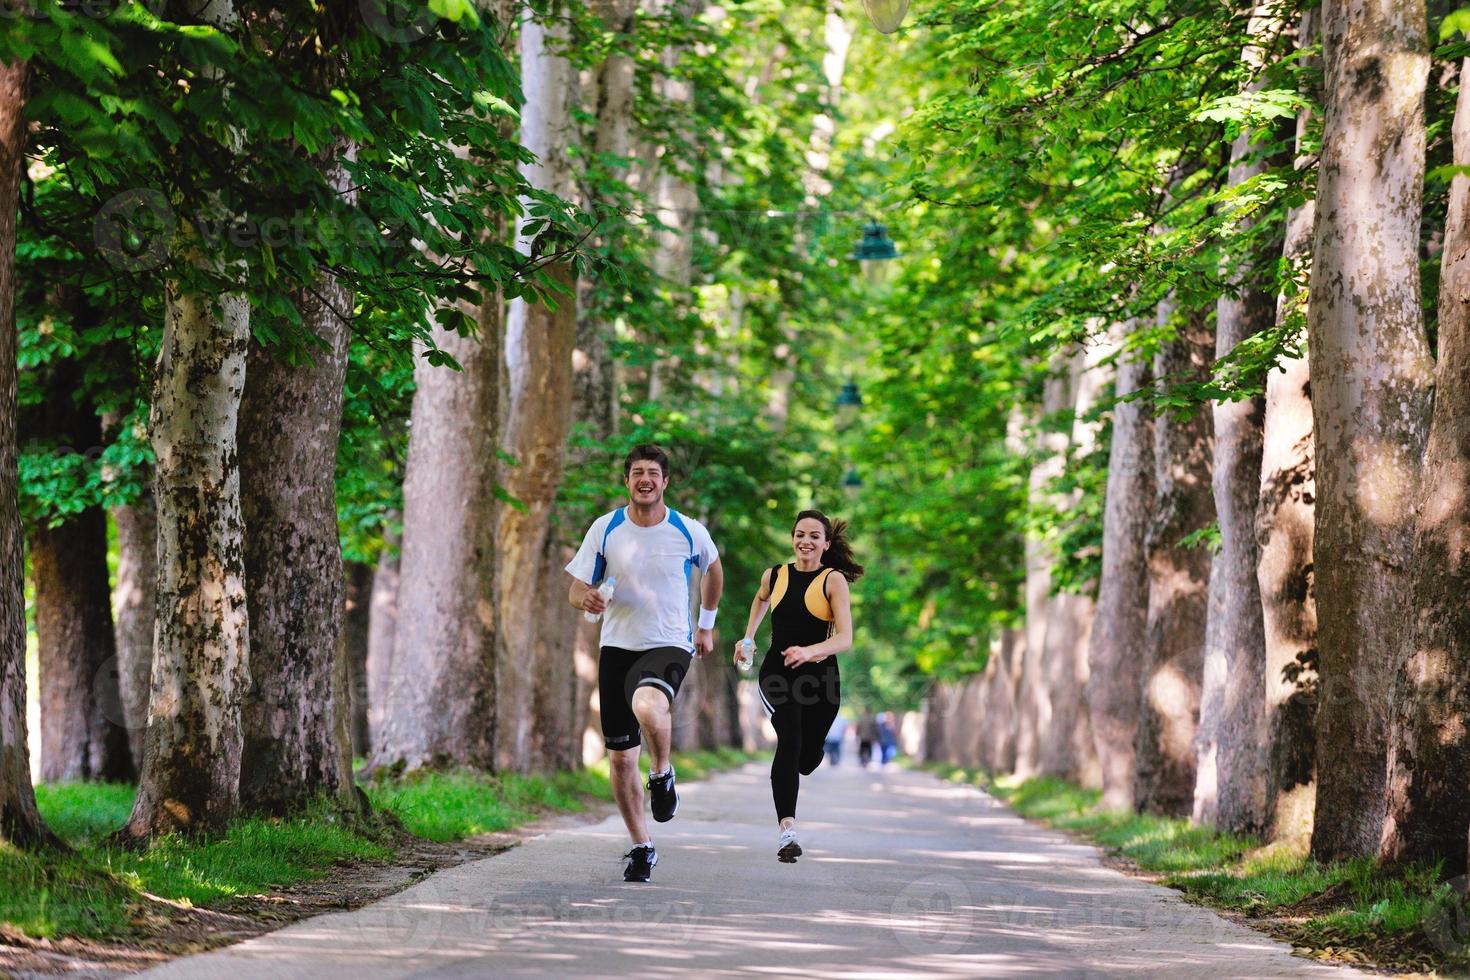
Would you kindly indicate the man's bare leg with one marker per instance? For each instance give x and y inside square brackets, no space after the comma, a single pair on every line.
[627,790]
[656,719]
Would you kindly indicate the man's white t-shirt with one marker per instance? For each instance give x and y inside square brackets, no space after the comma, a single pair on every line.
[654,567]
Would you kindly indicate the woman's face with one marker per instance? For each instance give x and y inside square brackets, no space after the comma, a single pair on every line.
[809,539]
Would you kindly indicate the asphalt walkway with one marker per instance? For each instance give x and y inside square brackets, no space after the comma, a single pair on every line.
[904,876]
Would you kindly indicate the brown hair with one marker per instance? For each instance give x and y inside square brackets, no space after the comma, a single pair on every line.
[651,453]
[839,555]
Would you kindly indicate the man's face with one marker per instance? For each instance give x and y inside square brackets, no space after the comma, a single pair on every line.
[646,482]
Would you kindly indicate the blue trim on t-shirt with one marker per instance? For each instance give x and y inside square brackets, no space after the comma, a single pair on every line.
[690,563]
[599,565]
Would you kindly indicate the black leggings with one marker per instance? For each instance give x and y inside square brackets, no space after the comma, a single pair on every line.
[803,703]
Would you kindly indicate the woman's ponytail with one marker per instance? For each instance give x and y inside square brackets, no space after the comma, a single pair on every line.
[839,554]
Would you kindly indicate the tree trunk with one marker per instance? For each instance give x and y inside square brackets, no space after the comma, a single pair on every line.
[1119,627]
[1241,736]
[356,629]
[538,355]
[83,731]
[83,734]
[133,602]
[1069,752]
[594,384]
[1033,699]
[1284,531]
[556,739]
[594,371]
[674,195]
[438,704]
[1211,707]
[382,627]
[438,678]
[20,822]
[296,721]
[191,759]
[1371,382]
[1429,757]
[998,729]
[1178,581]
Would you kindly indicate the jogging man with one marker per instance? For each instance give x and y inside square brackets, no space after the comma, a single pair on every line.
[648,635]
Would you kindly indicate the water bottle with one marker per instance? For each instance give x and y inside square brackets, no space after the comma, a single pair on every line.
[606,591]
[746,654]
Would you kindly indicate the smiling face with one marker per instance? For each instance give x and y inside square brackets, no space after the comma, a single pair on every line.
[809,539]
[646,482]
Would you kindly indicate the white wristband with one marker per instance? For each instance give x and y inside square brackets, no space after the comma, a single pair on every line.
[707,618]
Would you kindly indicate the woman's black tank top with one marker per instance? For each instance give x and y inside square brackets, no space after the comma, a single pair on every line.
[801,614]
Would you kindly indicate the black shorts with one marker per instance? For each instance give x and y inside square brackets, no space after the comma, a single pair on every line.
[620,673]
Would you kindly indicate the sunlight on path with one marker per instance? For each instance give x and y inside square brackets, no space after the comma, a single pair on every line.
[905,876]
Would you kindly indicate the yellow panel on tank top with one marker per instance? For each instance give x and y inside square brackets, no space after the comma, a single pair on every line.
[778,587]
[816,597]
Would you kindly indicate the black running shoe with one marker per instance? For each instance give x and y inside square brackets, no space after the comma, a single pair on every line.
[665,796]
[640,863]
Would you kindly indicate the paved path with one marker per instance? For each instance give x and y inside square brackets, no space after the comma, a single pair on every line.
[905,876]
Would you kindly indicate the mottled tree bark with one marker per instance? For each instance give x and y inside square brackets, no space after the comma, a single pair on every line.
[20,823]
[1119,626]
[297,745]
[191,758]
[1068,751]
[1033,699]
[1178,580]
[1429,754]
[356,628]
[538,354]
[1284,530]
[133,604]
[1371,382]
[201,650]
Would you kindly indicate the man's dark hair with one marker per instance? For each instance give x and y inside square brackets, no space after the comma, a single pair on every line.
[649,452]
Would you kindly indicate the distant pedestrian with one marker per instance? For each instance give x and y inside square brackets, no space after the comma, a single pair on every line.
[833,744]
[867,734]
[887,737]
[811,622]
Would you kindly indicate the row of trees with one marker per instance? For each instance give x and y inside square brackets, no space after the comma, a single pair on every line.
[331,327]
[1241,308]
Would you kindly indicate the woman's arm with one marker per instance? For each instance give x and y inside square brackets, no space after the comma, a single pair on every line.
[758,607]
[841,638]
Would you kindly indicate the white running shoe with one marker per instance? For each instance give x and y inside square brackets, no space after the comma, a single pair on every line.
[789,848]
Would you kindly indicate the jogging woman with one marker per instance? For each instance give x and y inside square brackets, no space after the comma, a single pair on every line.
[811,622]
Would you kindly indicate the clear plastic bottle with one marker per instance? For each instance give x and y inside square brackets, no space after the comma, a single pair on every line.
[606,591]
[746,649]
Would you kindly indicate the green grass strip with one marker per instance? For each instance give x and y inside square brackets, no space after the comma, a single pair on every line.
[95,891]
[1395,918]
